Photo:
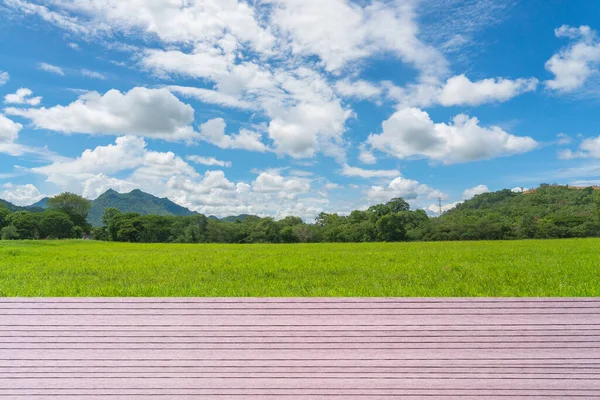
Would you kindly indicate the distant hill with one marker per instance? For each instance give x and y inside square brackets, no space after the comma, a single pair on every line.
[135,201]
[234,218]
[43,203]
[13,208]
[550,211]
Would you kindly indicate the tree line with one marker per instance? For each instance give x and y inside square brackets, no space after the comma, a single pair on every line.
[547,212]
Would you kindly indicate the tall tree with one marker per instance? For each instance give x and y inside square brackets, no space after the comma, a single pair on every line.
[56,225]
[75,206]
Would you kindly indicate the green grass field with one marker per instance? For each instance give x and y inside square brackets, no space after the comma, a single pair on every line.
[517,268]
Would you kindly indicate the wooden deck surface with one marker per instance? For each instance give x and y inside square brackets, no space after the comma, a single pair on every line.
[299,348]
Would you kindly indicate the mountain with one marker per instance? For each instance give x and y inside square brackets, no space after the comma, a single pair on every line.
[234,218]
[135,201]
[13,208]
[43,203]
[550,211]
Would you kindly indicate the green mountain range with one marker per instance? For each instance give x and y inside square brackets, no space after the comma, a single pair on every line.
[13,208]
[135,201]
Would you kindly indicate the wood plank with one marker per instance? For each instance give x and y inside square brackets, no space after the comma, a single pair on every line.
[299,348]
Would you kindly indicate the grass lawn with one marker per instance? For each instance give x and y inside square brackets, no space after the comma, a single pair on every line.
[515,268]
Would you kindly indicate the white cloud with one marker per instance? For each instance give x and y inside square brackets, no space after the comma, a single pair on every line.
[9,133]
[93,74]
[205,62]
[339,32]
[154,113]
[519,190]
[574,64]
[588,148]
[410,133]
[213,131]
[174,22]
[332,186]
[366,157]
[210,161]
[74,46]
[368,173]
[4,78]
[212,97]
[563,139]
[21,195]
[9,130]
[435,208]
[303,129]
[95,185]
[468,194]
[269,195]
[359,89]
[22,96]
[272,182]
[51,68]
[410,190]
[127,153]
[93,172]
[59,19]
[459,90]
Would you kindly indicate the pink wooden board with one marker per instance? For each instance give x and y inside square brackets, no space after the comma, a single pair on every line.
[134,348]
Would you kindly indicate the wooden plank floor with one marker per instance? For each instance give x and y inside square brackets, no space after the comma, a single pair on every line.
[299,348]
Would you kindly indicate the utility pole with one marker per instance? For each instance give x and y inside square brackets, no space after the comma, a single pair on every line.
[440,204]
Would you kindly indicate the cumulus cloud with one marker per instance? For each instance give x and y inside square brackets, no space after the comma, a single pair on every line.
[359,89]
[332,186]
[468,194]
[51,68]
[173,22]
[4,78]
[212,97]
[93,74]
[588,148]
[154,113]
[21,195]
[210,161]
[410,133]
[574,64]
[339,32]
[460,90]
[270,194]
[519,189]
[9,133]
[272,182]
[415,193]
[368,173]
[22,96]
[213,132]
[563,139]
[93,172]
[434,209]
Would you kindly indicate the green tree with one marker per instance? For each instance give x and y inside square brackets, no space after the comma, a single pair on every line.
[75,206]
[4,213]
[109,219]
[9,232]
[397,205]
[391,228]
[56,225]
[77,232]
[26,223]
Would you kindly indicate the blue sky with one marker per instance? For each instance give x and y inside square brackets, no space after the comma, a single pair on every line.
[294,107]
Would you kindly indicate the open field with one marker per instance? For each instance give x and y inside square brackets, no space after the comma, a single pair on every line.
[514,268]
